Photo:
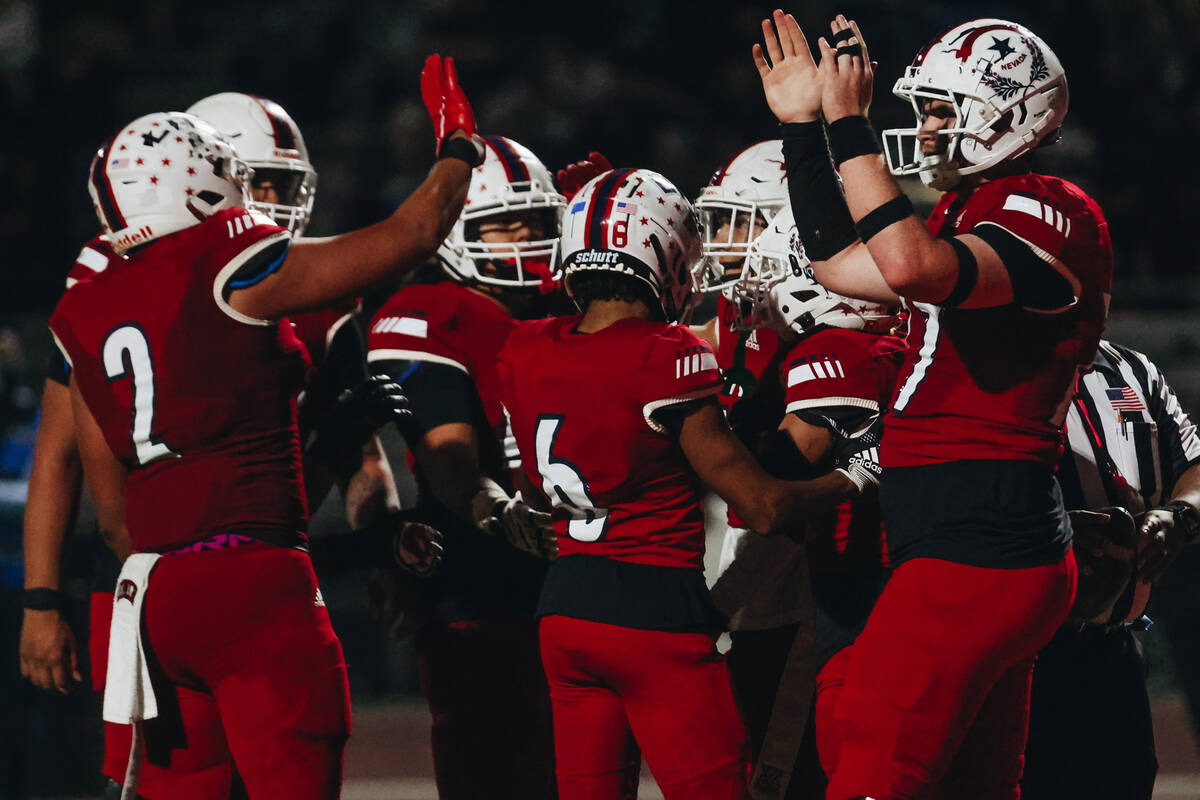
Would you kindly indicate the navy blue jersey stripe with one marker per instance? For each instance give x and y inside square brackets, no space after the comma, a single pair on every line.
[513,165]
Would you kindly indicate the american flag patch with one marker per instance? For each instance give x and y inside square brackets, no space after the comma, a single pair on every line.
[625,208]
[575,209]
[1124,399]
[119,162]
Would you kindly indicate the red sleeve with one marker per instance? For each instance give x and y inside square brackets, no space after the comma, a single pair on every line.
[679,367]
[94,257]
[1051,237]
[414,326]
[245,247]
[832,369]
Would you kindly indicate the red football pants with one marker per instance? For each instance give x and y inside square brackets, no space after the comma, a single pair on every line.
[201,769]
[492,731]
[670,692]
[936,696]
[258,673]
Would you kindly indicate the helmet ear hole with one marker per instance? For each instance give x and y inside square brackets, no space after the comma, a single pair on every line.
[209,197]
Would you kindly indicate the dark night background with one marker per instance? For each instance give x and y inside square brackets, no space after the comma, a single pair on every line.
[666,85]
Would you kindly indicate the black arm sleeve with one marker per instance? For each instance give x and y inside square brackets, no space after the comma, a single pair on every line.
[672,417]
[822,217]
[438,394]
[782,459]
[58,370]
[1036,285]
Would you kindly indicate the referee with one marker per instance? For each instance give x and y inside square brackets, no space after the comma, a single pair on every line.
[1131,445]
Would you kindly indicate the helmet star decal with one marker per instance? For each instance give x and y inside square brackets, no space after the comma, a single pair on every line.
[1002,47]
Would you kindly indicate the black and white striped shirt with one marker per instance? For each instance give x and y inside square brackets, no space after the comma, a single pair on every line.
[1129,437]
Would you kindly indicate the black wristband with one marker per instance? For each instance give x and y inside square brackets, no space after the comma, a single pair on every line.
[822,219]
[850,137]
[1187,516]
[882,216]
[968,275]
[43,600]
[462,149]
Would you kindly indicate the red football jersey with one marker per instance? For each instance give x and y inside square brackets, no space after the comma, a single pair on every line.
[582,412]
[195,399]
[312,328]
[94,258]
[845,374]
[446,323]
[743,356]
[994,383]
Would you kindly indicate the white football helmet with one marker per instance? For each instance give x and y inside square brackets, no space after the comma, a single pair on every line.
[162,173]
[269,140]
[636,223]
[751,183]
[510,179]
[1008,90]
[777,289]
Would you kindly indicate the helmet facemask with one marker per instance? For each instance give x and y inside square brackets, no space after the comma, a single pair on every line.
[296,189]
[519,264]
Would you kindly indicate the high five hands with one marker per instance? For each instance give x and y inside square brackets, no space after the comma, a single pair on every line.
[797,88]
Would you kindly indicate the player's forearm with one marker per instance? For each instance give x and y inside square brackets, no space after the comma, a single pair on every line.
[49,510]
[371,491]
[785,507]
[344,266]
[911,261]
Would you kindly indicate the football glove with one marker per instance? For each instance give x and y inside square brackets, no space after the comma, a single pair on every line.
[572,177]
[511,519]
[445,100]
[856,455]
[417,548]
[355,415]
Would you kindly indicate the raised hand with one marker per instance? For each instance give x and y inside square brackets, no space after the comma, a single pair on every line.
[791,81]
[572,177]
[847,72]
[445,100]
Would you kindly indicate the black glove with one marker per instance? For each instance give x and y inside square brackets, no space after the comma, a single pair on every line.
[355,416]
[856,454]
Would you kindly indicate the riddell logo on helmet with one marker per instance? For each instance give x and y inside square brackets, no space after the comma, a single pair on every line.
[142,234]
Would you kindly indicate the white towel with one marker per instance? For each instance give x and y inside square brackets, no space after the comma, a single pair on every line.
[128,695]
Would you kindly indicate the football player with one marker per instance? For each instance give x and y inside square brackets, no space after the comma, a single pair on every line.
[615,415]
[189,441]
[970,502]
[838,372]
[477,652]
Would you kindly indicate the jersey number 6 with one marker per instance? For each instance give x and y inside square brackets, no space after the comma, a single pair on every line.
[565,485]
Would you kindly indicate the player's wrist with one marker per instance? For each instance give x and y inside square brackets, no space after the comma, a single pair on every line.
[42,598]
[464,148]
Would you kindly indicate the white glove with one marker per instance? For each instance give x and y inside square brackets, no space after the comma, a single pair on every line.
[510,518]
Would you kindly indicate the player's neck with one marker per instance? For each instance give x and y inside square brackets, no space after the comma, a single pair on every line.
[602,313]
[1005,169]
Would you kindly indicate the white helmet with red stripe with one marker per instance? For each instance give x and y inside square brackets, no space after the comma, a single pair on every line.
[634,222]
[511,186]
[162,173]
[777,289]
[750,187]
[1008,90]
[268,139]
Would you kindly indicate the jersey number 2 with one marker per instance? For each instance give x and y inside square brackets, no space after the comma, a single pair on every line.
[565,485]
[130,341]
